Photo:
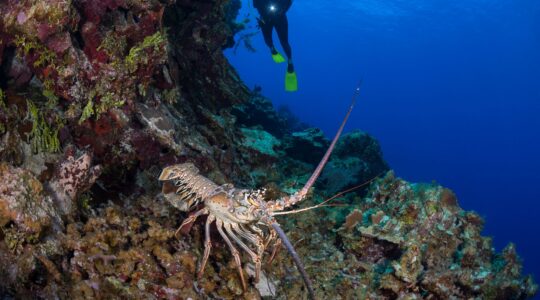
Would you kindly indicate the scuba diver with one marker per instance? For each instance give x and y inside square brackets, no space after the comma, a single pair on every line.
[273,15]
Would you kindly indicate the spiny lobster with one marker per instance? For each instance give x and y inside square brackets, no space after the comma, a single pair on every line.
[239,214]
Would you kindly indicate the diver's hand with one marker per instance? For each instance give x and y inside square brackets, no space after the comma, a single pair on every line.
[260,23]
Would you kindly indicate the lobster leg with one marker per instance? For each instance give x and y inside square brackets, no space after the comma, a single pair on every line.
[275,249]
[228,227]
[257,230]
[234,252]
[255,241]
[271,237]
[191,219]
[207,245]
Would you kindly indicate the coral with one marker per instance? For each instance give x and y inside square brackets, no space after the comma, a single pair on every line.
[260,141]
[23,201]
[352,219]
[434,245]
[72,177]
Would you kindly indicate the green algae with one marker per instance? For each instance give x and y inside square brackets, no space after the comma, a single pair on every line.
[114,45]
[43,137]
[136,57]
[171,96]
[101,99]
[52,99]
[88,111]
[14,239]
[45,57]
[106,102]
[2,96]
[2,107]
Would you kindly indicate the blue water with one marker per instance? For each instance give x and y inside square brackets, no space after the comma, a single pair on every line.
[451,90]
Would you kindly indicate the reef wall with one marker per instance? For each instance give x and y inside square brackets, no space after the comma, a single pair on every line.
[97,96]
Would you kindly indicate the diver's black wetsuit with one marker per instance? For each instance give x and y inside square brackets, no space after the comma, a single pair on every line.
[273,16]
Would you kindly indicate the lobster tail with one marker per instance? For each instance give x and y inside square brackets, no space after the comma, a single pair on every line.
[184,187]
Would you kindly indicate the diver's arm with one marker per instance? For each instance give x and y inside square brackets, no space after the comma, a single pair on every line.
[261,6]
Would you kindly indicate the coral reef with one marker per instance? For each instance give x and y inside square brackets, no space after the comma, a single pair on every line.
[428,246]
[96,97]
[23,201]
[259,112]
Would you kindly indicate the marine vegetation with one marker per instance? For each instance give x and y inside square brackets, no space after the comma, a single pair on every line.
[98,98]
[43,137]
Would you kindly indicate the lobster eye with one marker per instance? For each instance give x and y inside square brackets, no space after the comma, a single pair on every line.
[252,199]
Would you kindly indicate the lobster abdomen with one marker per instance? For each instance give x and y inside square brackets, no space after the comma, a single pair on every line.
[184,187]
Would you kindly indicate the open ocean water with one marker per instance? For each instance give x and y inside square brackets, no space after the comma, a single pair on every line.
[451,91]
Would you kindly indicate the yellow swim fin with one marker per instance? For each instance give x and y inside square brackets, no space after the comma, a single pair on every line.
[291,83]
[278,58]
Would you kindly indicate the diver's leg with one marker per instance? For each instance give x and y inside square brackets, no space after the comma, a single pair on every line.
[282,28]
[266,29]
[267,35]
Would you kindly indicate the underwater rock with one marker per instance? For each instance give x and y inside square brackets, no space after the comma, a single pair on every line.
[357,159]
[11,148]
[340,174]
[432,238]
[18,72]
[308,145]
[73,176]
[261,142]
[160,122]
[23,201]
[259,111]
[362,145]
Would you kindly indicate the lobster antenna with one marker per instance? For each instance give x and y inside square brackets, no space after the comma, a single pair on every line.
[295,257]
[323,204]
[303,192]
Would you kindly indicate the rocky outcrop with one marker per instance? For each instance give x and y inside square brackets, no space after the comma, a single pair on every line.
[23,203]
[428,245]
[357,159]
